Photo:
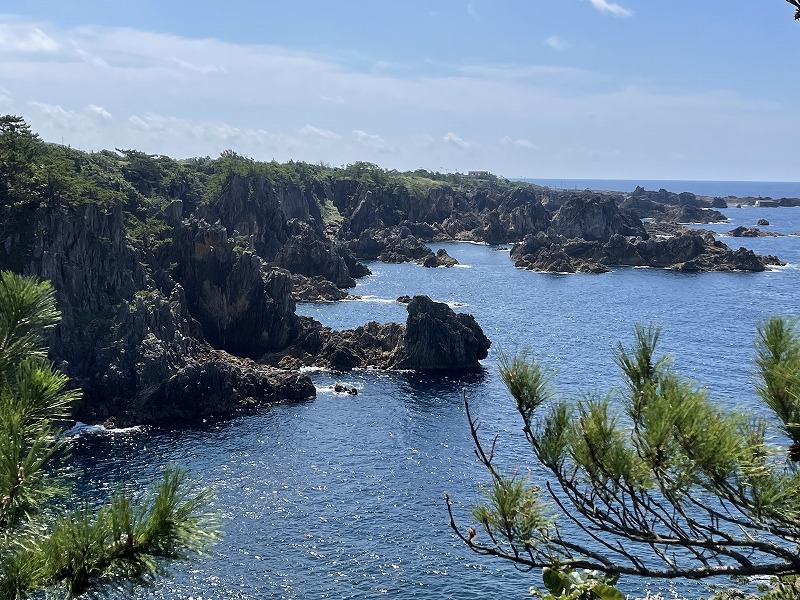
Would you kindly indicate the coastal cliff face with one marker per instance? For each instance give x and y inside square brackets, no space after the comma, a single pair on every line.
[130,341]
[177,280]
[243,305]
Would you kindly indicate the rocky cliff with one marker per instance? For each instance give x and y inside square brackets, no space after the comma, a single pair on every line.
[178,279]
[129,337]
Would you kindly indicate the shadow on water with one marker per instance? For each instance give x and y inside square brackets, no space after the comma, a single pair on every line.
[435,389]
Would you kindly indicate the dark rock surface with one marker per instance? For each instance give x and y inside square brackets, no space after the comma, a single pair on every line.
[742,231]
[595,219]
[687,249]
[316,289]
[440,259]
[392,245]
[434,338]
[438,339]
[276,219]
[550,253]
[127,337]
[684,207]
[244,306]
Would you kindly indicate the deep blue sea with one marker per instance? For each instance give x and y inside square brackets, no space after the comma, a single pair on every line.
[342,496]
[764,189]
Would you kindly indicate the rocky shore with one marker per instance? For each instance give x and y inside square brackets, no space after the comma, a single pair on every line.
[178,286]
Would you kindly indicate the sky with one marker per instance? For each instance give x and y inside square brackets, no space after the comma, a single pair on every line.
[635,89]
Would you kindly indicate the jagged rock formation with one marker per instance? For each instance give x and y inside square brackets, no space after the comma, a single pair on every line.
[131,343]
[281,223]
[743,231]
[392,245]
[438,339]
[434,338]
[244,306]
[687,250]
[316,289]
[174,277]
[594,219]
[440,259]
[675,208]
[556,231]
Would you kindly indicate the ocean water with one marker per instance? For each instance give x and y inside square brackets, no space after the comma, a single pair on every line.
[763,189]
[342,496]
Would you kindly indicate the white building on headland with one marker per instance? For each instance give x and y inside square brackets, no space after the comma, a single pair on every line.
[478,173]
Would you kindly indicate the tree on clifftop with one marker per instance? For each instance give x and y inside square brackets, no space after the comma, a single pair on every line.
[88,550]
[654,480]
[19,148]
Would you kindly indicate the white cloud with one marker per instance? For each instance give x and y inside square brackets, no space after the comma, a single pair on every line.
[6,101]
[372,141]
[471,10]
[271,102]
[321,133]
[455,140]
[67,118]
[99,111]
[611,7]
[557,43]
[202,69]
[211,136]
[337,100]
[519,143]
[26,38]
[90,59]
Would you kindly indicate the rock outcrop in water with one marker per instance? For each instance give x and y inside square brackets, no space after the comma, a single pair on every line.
[438,339]
[440,259]
[742,231]
[434,338]
[590,236]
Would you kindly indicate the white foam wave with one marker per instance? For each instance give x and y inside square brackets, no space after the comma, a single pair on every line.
[83,429]
[456,304]
[376,300]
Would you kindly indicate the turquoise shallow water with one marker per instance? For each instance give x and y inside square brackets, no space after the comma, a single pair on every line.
[341,497]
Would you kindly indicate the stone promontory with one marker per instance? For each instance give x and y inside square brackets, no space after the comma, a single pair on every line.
[434,338]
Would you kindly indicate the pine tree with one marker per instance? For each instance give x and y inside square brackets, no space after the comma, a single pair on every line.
[89,550]
[653,480]
[19,149]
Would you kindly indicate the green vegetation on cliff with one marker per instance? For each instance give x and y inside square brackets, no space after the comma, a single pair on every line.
[144,185]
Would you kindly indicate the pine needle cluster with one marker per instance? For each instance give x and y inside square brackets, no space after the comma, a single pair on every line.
[653,479]
[91,550]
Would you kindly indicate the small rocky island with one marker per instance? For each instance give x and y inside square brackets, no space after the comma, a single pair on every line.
[177,280]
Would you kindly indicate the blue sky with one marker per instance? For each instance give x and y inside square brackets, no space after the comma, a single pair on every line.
[634,89]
